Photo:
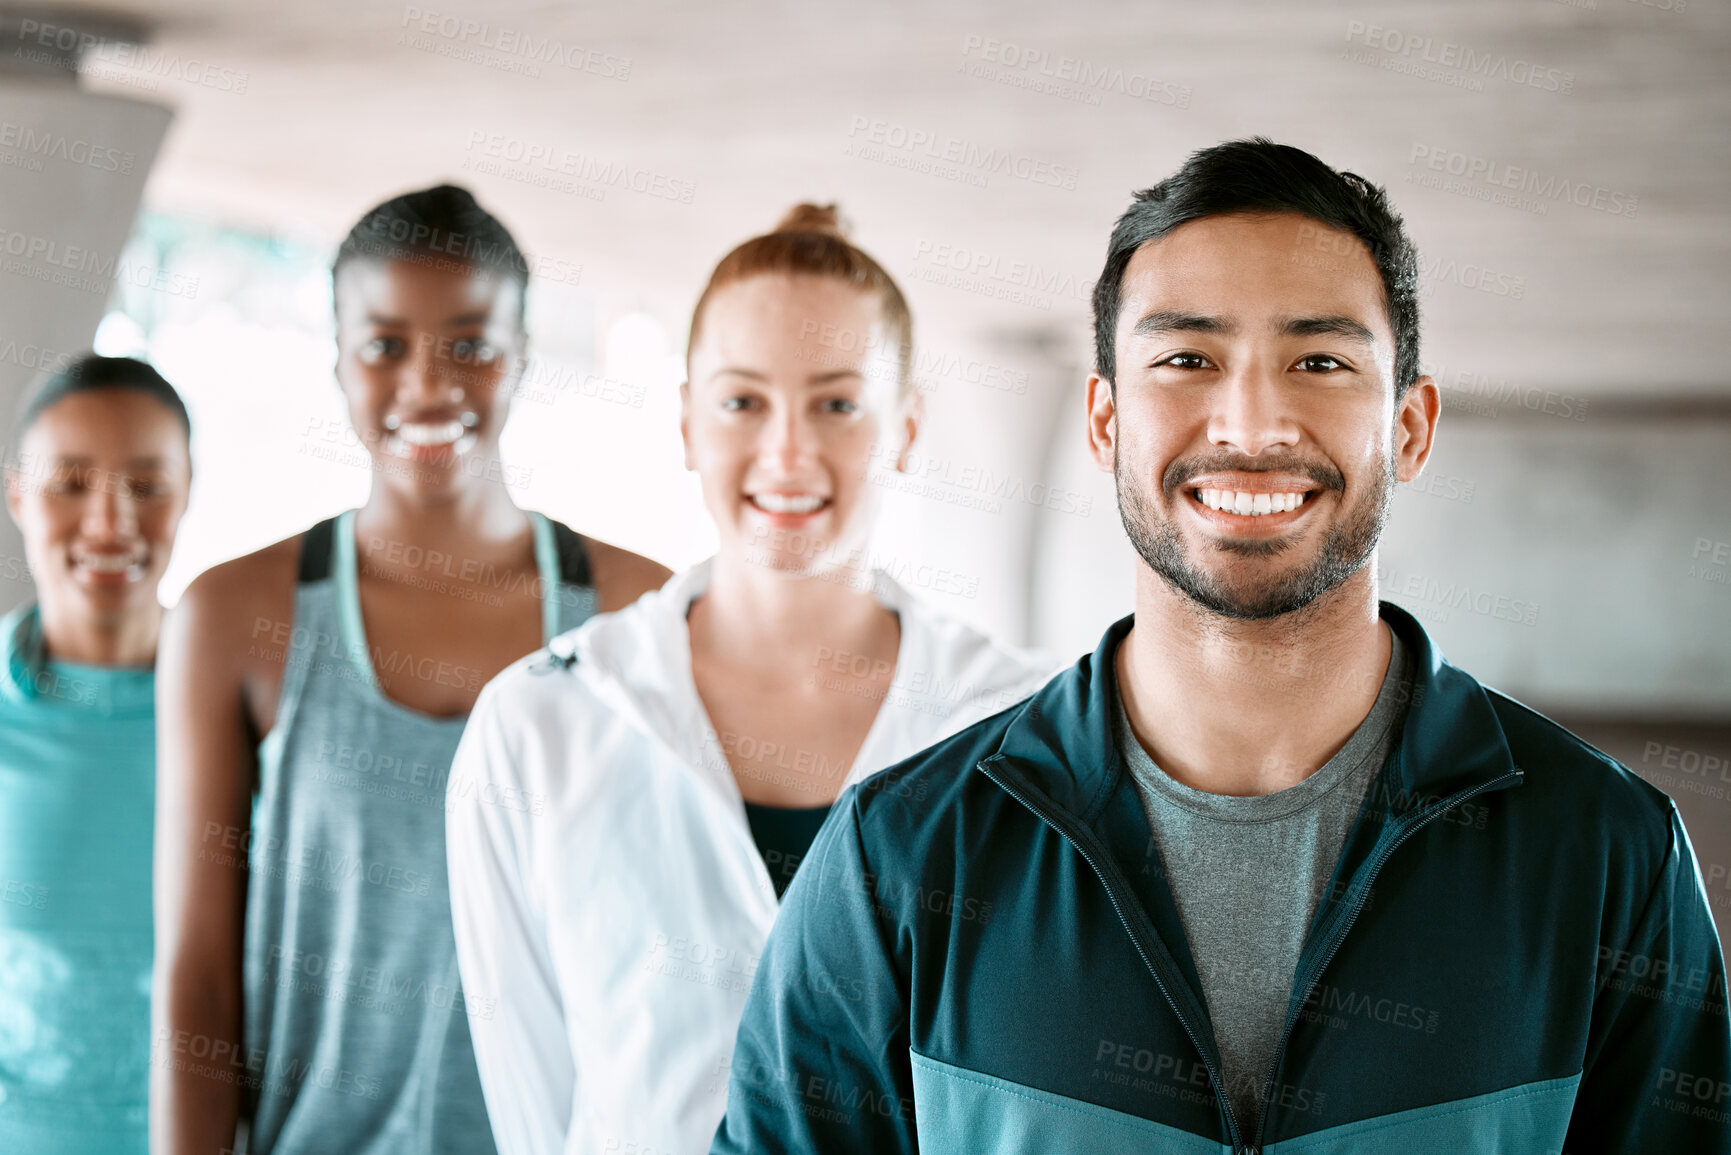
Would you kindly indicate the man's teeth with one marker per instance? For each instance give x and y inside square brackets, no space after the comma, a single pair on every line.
[786,502]
[1251,504]
[430,433]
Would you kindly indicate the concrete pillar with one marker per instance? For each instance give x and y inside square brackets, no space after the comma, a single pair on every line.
[72,170]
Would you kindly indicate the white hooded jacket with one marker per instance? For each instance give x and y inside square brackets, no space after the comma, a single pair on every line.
[609,899]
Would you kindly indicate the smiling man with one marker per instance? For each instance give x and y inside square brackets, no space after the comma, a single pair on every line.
[1264,873]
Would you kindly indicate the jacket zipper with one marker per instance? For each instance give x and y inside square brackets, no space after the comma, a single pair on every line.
[1111,894]
[1419,823]
[1422,820]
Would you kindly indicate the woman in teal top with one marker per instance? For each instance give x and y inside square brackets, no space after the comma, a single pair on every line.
[312,697]
[97,489]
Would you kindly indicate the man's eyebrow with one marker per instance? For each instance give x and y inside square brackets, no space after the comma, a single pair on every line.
[1177,321]
[1333,325]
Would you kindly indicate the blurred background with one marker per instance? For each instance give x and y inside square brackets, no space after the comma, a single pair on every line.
[175,175]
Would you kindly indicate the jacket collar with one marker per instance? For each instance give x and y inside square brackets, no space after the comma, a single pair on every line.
[1451,739]
[638,661]
[1058,756]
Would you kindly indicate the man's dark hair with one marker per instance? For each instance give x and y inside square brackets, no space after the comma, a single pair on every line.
[1259,176]
[89,372]
[442,227]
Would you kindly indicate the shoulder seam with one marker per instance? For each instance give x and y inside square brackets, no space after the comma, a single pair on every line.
[1672,819]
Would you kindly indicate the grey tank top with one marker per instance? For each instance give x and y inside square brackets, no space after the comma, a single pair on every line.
[357,1028]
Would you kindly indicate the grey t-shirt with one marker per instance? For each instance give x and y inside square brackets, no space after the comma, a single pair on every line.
[1247,874]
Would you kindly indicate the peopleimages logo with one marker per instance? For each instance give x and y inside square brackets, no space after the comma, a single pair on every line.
[1485,396]
[33,143]
[512,44]
[48,260]
[131,64]
[871,138]
[1485,179]
[1476,278]
[1422,591]
[1447,54]
[995,267]
[494,153]
[1071,77]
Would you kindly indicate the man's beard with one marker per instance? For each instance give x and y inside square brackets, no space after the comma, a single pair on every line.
[1345,549]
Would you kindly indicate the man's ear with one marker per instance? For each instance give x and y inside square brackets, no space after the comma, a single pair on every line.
[1102,423]
[1415,428]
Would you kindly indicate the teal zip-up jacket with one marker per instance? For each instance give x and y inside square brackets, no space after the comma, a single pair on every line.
[979,954]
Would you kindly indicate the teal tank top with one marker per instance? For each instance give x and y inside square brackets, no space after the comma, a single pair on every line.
[77,807]
[357,1028]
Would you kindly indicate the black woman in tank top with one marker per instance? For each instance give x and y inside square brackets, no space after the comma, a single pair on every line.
[311,697]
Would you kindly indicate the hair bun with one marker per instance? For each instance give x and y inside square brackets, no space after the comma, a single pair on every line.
[809,218]
[453,195]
